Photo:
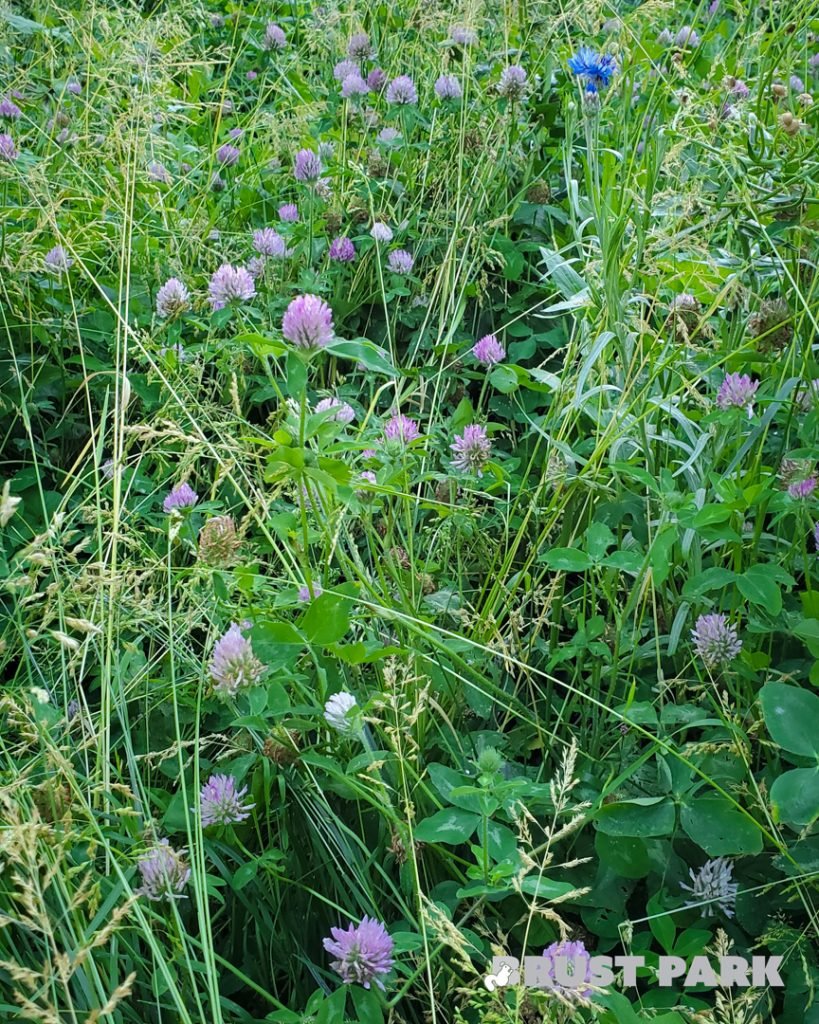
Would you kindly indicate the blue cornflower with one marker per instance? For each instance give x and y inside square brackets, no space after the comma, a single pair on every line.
[595,69]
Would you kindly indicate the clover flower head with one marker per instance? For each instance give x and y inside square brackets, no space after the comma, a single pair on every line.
[376,80]
[274,37]
[9,109]
[363,952]
[227,155]
[172,298]
[344,413]
[268,242]
[737,391]
[234,666]
[354,85]
[308,322]
[716,640]
[569,968]
[57,260]
[182,496]
[400,261]
[359,47]
[307,166]
[401,429]
[402,92]
[512,82]
[687,38]
[712,888]
[447,87]
[472,449]
[8,150]
[220,802]
[340,711]
[288,213]
[488,350]
[460,35]
[341,250]
[230,284]
[164,873]
[381,232]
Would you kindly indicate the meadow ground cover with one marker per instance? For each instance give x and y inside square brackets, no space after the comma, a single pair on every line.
[410,427]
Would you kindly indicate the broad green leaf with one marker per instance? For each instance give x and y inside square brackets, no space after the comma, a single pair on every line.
[327,619]
[795,797]
[759,587]
[627,855]
[645,816]
[792,717]
[452,825]
[545,888]
[367,1005]
[718,828]
[364,352]
[568,559]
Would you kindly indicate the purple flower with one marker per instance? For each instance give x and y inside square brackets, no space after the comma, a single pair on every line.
[381,232]
[251,75]
[665,38]
[274,37]
[796,83]
[569,967]
[802,489]
[268,242]
[342,250]
[463,36]
[512,82]
[366,476]
[8,151]
[306,166]
[388,135]
[236,133]
[220,802]
[227,155]
[234,666]
[401,429]
[713,7]
[376,80]
[8,108]
[164,873]
[308,322]
[354,85]
[230,284]
[255,267]
[182,496]
[739,90]
[159,172]
[402,92]
[345,68]
[57,260]
[359,47]
[816,536]
[304,595]
[172,298]
[715,640]
[344,413]
[488,350]
[448,88]
[400,261]
[737,390]
[289,213]
[363,952]
[74,87]
[687,37]
[472,450]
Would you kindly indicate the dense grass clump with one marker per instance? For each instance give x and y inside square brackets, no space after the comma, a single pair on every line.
[410,509]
